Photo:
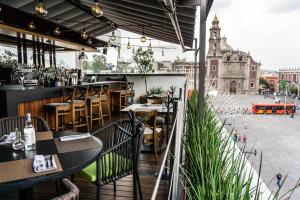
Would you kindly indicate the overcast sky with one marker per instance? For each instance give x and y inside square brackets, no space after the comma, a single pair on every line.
[269,29]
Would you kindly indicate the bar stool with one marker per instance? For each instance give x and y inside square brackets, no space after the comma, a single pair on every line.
[94,103]
[105,101]
[79,108]
[61,109]
[121,95]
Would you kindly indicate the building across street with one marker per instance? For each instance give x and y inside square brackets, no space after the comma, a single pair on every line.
[230,70]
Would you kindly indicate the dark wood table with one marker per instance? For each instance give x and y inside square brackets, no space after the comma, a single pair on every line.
[71,162]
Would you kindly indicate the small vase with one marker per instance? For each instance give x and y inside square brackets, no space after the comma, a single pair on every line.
[18,143]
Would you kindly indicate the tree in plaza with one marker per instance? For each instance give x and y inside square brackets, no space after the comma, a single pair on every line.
[99,62]
[264,82]
[282,85]
[144,60]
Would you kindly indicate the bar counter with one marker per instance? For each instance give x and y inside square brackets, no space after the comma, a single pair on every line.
[18,100]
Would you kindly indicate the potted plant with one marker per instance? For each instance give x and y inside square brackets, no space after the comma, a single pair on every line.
[144,60]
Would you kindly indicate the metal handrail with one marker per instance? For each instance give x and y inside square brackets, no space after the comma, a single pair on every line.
[154,194]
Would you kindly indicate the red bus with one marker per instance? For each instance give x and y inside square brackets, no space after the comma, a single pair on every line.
[280,108]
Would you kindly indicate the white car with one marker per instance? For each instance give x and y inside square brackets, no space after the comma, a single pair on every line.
[277,100]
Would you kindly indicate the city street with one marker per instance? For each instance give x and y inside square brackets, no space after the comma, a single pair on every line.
[277,137]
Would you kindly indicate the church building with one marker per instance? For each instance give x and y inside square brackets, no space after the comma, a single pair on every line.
[230,70]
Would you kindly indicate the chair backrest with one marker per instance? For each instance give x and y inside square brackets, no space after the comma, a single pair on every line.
[96,90]
[155,100]
[69,93]
[121,150]
[148,118]
[106,90]
[9,124]
[82,91]
[73,191]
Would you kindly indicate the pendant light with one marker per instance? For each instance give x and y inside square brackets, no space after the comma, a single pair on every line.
[128,45]
[113,37]
[84,35]
[89,41]
[97,11]
[133,50]
[40,8]
[108,43]
[57,30]
[31,25]
[162,52]
[143,37]
[150,47]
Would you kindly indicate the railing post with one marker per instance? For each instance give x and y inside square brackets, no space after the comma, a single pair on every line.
[177,150]
[172,148]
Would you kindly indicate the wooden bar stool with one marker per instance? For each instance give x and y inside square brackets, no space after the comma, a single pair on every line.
[61,110]
[94,104]
[79,108]
[105,101]
[120,95]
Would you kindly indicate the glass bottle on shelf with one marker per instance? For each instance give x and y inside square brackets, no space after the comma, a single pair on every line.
[29,133]
[18,143]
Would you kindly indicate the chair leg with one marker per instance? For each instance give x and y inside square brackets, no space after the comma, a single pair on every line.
[154,143]
[115,187]
[139,185]
[86,118]
[91,116]
[98,192]
[57,187]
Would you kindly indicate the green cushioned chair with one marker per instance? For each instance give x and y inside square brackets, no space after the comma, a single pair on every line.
[119,162]
[119,157]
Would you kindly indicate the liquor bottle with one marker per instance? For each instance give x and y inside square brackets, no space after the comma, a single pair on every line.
[18,143]
[29,133]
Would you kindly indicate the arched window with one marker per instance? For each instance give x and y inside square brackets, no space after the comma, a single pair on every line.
[241,58]
[228,58]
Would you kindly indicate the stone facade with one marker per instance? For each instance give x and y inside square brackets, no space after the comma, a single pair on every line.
[290,75]
[230,70]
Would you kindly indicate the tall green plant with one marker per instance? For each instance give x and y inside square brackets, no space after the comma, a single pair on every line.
[144,60]
[214,170]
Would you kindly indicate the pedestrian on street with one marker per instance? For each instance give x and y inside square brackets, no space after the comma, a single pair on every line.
[245,125]
[244,139]
[234,134]
[278,177]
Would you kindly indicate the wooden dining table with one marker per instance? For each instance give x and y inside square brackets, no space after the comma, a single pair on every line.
[16,171]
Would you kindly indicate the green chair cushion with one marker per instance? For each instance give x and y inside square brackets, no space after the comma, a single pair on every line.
[90,172]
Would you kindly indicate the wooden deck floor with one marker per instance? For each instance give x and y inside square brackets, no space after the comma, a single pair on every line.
[148,170]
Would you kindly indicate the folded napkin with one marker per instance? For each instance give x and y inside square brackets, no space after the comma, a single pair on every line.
[8,138]
[74,137]
[43,163]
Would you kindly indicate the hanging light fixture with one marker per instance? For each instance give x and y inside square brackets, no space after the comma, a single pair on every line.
[97,11]
[150,47]
[108,43]
[113,37]
[128,45]
[162,52]
[89,41]
[84,35]
[143,37]
[40,8]
[31,25]
[133,50]
[57,30]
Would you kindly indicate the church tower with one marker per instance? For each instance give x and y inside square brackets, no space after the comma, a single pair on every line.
[215,39]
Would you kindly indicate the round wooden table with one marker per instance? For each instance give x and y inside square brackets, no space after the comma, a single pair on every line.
[71,162]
